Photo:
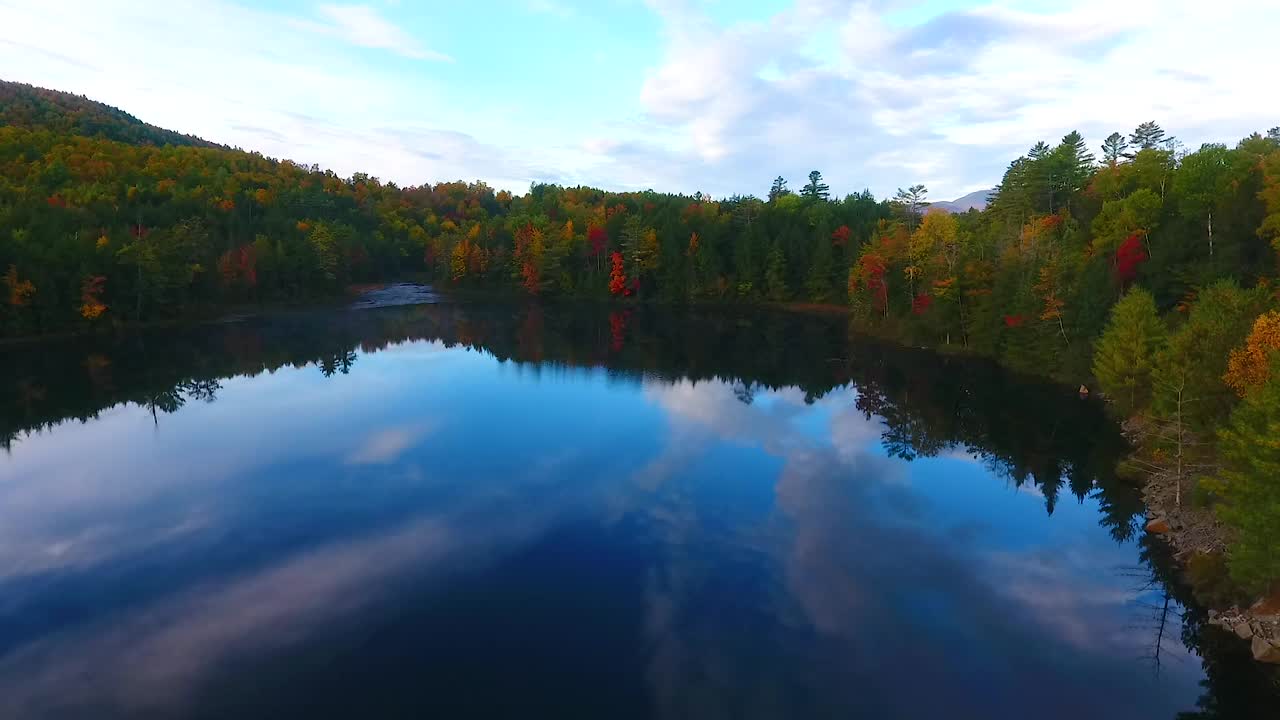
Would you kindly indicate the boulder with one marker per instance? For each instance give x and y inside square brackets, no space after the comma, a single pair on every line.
[1265,650]
[1158,526]
[1244,631]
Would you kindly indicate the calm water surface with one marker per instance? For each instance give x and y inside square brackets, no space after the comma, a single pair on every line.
[517,511]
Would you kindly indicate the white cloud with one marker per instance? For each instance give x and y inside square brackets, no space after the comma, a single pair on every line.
[362,25]
[867,91]
[947,101]
[385,446]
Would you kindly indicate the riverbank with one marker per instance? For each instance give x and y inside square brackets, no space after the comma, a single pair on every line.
[1199,540]
[223,313]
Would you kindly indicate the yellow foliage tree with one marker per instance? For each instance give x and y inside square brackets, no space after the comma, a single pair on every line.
[1249,367]
[458,260]
[91,306]
[20,291]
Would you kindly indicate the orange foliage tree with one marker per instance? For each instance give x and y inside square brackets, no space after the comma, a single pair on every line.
[1248,367]
[91,305]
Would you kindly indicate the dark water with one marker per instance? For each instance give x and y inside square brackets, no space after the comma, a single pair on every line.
[508,511]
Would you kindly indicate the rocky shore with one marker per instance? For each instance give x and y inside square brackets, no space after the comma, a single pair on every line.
[1196,531]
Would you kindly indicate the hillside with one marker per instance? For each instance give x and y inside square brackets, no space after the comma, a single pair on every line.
[973,201]
[27,106]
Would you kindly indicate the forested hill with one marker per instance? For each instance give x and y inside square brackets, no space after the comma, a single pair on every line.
[102,222]
[27,106]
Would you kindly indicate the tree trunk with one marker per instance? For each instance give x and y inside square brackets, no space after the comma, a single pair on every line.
[1210,224]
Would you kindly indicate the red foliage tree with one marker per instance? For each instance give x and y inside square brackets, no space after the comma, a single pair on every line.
[841,236]
[1013,321]
[597,240]
[873,269]
[529,254]
[1129,257]
[618,277]
[920,304]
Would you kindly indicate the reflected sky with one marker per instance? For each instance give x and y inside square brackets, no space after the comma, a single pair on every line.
[437,530]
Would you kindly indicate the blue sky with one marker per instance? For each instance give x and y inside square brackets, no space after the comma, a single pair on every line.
[681,95]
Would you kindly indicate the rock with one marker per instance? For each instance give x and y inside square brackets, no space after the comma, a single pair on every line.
[1265,650]
[1244,631]
[1084,391]
[1158,526]
[1213,614]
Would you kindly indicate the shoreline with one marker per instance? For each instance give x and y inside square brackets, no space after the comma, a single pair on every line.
[1196,536]
[1199,541]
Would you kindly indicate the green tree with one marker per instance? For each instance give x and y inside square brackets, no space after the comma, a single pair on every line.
[911,202]
[1200,183]
[1149,136]
[324,249]
[1196,354]
[1124,355]
[1250,485]
[1072,167]
[1113,148]
[815,189]
[779,189]
[818,283]
[775,274]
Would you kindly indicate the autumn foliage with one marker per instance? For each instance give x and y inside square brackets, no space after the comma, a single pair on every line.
[618,276]
[20,291]
[597,240]
[1129,257]
[91,307]
[1248,367]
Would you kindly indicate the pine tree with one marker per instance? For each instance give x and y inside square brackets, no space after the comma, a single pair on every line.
[1074,165]
[1113,148]
[1250,447]
[1124,355]
[815,189]
[779,188]
[1148,136]
[912,201]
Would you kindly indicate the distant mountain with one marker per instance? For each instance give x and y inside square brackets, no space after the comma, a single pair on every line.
[23,105]
[972,201]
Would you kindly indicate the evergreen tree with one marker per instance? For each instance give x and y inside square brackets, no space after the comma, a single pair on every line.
[815,189]
[1149,136]
[818,283]
[912,202]
[1250,485]
[775,274]
[1113,148]
[1197,352]
[1074,166]
[1124,355]
[779,188]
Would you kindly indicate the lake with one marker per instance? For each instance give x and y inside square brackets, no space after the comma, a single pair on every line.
[502,510]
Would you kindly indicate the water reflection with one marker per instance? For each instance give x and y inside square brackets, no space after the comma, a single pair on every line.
[501,510]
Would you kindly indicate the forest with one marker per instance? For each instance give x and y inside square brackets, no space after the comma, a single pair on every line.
[1148,266]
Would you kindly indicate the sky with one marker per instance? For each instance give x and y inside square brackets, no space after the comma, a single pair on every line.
[717,96]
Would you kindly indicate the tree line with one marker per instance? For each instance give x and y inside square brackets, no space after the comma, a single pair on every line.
[106,220]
